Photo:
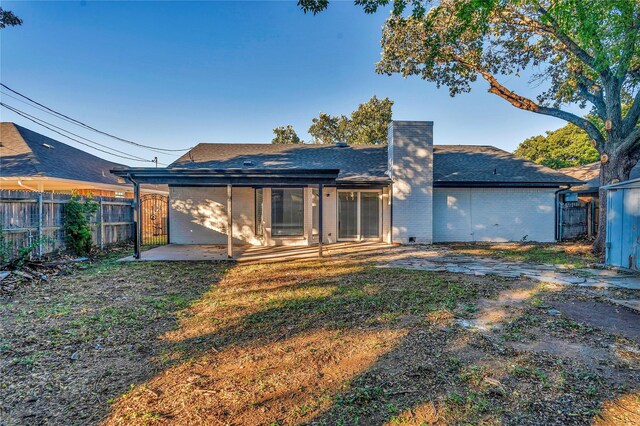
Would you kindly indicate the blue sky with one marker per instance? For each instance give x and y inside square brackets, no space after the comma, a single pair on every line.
[172,74]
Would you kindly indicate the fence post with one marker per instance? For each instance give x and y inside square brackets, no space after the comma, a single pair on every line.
[39,224]
[101,225]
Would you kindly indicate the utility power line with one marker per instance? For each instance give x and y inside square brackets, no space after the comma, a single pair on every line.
[86,126]
[34,118]
[47,126]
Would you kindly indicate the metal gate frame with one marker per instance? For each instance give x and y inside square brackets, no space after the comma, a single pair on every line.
[154,219]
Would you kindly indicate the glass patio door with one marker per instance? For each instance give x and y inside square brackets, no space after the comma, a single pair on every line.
[347,215]
[369,215]
[358,215]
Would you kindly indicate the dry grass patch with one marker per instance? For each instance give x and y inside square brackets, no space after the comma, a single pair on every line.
[574,254]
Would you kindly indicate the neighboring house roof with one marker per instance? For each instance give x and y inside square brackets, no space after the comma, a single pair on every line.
[25,153]
[591,174]
[484,164]
[356,163]
[453,164]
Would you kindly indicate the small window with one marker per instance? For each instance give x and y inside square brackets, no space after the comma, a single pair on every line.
[287,212]
[259,220]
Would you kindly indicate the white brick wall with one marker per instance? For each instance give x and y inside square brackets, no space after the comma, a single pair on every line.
[198,215]
[493,214]
[411,162]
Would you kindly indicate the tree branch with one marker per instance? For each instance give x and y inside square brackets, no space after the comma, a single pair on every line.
[573,47]
[633,115]
[527,104]
[630,141]
[595,98]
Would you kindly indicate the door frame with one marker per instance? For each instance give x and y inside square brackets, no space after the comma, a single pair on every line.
[359,238]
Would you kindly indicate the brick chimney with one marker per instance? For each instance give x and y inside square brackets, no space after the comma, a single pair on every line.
[410,154]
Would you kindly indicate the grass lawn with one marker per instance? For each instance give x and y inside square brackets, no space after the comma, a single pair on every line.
[329,342]
[574,254]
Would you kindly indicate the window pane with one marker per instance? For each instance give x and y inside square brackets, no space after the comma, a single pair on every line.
[348,214]
[369,214]
[259,230]
[314,212]
[287,212]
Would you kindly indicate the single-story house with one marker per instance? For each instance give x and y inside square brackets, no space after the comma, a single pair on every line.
[623,224]
[30,161]
[407,191]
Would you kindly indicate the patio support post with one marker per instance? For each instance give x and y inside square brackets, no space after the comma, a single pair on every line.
[137,230]
[320,231]
[229,222]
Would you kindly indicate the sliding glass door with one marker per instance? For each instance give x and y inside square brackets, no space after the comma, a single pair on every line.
[347,215]
[369,215]
[359,215]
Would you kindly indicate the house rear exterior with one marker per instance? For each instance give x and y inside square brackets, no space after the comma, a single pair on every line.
[407,191]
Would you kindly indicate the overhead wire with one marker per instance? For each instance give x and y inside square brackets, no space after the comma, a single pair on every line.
[88,127]
[112,151]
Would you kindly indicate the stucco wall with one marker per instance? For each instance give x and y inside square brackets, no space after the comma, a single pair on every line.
[493,214]
[198,215]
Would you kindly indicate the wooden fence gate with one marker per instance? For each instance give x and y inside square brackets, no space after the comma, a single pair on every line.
[574,220]
[154,216]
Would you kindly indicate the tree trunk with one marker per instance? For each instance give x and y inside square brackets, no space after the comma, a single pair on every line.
[616,169]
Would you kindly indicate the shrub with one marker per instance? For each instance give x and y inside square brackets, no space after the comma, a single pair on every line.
[77,231]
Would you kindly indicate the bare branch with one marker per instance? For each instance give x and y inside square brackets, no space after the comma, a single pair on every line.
[528,105]
[633,115]
[633,139]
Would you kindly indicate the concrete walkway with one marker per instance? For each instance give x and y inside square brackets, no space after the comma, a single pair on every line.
[441,260]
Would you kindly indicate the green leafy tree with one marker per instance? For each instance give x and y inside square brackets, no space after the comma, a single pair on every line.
[566,147]
[582,53]
[326,129]
[8,19]
[285,135]
[367,124]
[75,224]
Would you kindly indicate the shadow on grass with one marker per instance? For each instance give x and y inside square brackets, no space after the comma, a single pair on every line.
[341,342]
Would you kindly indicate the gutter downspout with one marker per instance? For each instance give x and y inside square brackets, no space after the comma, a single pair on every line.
[136,216]
[558,221]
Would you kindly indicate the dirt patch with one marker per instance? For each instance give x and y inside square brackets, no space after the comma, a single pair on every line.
[610,318]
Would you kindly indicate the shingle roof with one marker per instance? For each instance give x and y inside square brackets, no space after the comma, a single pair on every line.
[591,174]
[488,164]
[26,153]
[356,163]
[452,163]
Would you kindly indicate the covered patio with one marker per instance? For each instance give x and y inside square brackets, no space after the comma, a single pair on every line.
[249,253]
[229,179]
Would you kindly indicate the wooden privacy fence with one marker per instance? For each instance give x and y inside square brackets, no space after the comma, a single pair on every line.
[35,219]
[577,220]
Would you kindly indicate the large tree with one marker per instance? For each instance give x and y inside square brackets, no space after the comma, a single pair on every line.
[367,124]
[577,52]
[285,135]
[8,19]
[565,147]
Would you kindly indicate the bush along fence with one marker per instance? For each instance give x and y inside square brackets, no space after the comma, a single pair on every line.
[31,223]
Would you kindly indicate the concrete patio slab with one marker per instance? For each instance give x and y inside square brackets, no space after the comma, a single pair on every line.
[248,253]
